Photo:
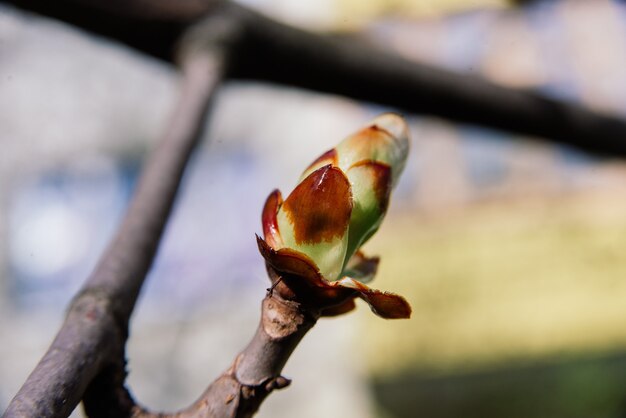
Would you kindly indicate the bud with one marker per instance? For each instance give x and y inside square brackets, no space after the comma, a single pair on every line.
[340,202]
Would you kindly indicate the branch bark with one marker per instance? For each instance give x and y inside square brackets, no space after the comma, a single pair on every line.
[255,373]
[96,326]
[240,390]
[274,52]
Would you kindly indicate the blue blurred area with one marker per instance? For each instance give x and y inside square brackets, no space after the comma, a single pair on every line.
[61,220]
[59,224]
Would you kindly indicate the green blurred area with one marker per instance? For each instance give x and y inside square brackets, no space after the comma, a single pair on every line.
[519,303]
[587,386]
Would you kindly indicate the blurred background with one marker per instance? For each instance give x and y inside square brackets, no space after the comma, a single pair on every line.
[510,251]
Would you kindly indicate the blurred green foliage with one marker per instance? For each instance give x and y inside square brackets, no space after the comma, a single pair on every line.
[516,306]
[585,386]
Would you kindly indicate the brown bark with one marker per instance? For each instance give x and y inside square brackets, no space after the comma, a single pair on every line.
[94,332]
[239,391]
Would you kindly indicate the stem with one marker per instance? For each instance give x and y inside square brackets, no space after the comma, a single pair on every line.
[255,373]
[240,390]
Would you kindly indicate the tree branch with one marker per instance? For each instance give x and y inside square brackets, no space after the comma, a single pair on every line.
[272,51]
[282,54]
[255,372]
[96,326]
[152,27]
[240,390]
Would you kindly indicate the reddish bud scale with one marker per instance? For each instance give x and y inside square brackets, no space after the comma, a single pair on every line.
[312,238]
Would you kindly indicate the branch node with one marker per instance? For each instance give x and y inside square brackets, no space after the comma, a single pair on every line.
[279,382]
[281,318]
[248,391]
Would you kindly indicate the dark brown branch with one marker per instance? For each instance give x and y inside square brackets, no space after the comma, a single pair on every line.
[286,55]
[271,51]
[153,27]
[95,329]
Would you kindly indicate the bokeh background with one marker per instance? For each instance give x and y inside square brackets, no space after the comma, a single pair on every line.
[510,251]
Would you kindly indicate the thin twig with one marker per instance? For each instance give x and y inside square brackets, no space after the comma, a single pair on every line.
[96,326]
